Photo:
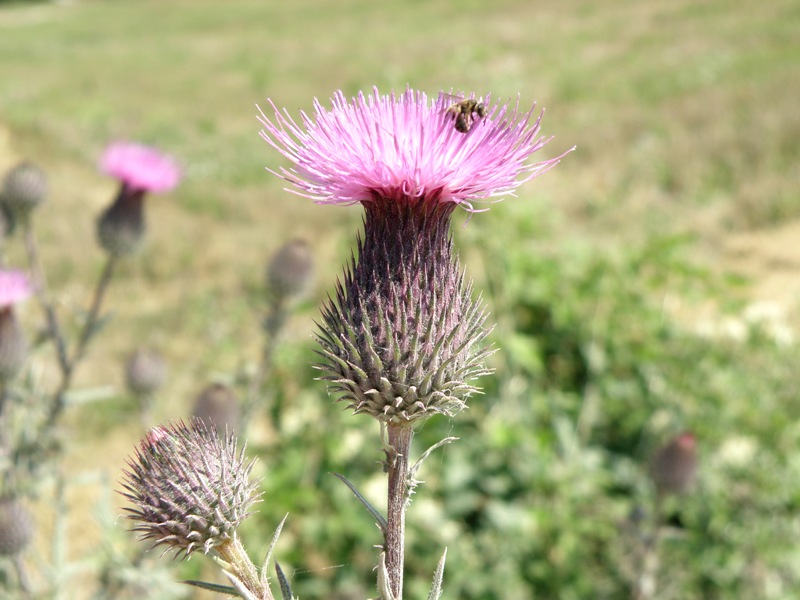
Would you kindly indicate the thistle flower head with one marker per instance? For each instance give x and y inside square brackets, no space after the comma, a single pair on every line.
[121,227]
[403,337]
[189,488]
[388,147]
[140,167]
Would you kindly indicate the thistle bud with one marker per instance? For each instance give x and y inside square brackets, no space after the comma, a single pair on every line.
[16,527]
[145,372]
[403,338]
[24,188]
[289,270]
[218,407]
[673,467]
[189,488]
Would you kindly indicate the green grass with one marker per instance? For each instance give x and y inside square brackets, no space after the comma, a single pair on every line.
[685,117]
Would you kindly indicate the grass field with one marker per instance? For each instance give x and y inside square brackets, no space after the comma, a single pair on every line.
[684,115]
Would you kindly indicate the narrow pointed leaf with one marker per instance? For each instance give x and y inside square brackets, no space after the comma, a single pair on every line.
[274,541]
[438,576]
[286,589]
[213,587]
[381,520]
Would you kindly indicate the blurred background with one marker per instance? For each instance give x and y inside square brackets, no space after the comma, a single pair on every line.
[645,287]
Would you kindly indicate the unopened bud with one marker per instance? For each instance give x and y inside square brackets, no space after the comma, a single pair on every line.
[218,406]
[673,468]
[290,268]
[24,188]
[16,527]
[145,372]
[189,488]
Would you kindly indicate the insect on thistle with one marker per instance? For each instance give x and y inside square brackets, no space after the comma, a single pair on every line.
[463,112]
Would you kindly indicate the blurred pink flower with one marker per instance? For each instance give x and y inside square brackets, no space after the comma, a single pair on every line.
[140,167]
[404,146]
[14,287]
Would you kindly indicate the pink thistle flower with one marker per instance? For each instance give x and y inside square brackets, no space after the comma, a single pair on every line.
[140,167]
[404,146]
[14,288]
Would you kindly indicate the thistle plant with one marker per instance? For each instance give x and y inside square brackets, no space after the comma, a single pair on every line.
[287,277]
[404,339]
[30,440]
[672,471]
[120,229]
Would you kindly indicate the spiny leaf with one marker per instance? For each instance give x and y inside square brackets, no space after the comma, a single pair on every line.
[381,520]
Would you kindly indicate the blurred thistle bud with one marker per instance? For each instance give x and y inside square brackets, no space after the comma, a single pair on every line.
[673,467]
[145,372]
[140,169]
[403,337]
[189,488]
[24,188]
[14,288]
[218,407]
[16,527]
[290,269]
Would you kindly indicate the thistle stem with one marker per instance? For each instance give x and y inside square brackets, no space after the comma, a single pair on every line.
[645,584]
[70,362]
[243,568]
[399,440]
